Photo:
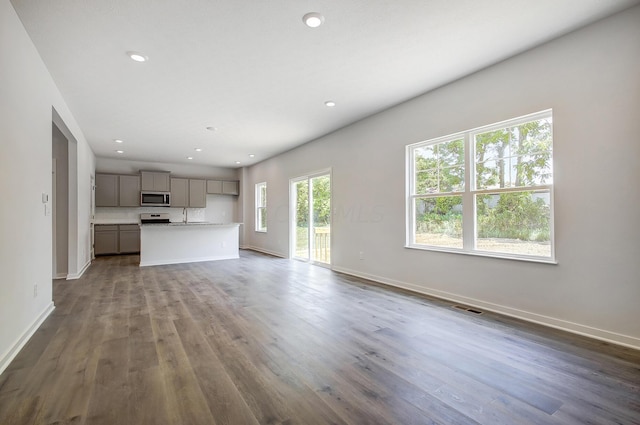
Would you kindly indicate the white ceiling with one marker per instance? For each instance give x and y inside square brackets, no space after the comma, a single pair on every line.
[252,69]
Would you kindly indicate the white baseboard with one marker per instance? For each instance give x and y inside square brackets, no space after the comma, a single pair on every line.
[13,351]
[264,251]
[576,328]
[188,260]
[74,276]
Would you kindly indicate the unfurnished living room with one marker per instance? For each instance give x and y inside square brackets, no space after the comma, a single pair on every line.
[319,212]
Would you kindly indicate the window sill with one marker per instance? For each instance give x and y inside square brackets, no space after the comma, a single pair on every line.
[489,254]
[261,231]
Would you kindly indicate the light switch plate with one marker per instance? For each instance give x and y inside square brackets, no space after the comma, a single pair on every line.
[45,198]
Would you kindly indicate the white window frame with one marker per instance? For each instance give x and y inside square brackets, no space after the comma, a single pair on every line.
[260,206]
[469,194]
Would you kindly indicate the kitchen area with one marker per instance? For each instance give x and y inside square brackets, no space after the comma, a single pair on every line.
[165,217]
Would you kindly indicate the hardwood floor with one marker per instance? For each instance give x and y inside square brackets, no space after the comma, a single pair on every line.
[263,340]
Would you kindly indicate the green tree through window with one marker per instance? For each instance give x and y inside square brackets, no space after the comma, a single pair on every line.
[504,200]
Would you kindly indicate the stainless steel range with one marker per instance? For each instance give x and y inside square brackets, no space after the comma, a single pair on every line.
[154,218]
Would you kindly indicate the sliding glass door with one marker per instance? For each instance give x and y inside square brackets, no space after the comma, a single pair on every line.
[311,218]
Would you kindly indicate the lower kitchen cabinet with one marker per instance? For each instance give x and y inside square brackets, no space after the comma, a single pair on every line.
[111,239]
[105,239]
[129,238]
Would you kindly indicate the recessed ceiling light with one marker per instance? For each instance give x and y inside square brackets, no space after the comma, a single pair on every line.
[251,155]
[119,151]
[198,149]
[237,162]
[137,56]
[118,140]
[313,19]
[189,157]
[211,128]
[330,103]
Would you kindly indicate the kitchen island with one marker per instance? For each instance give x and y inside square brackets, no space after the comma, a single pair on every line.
[175,243]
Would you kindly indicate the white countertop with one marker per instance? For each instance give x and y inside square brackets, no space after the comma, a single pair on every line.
[115,221]
[194,223]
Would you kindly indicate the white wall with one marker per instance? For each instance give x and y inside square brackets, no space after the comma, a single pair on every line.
[124,166]
[590,79]
[27,96]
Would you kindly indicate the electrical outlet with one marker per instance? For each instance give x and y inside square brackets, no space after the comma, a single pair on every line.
[362,255]
[35,290]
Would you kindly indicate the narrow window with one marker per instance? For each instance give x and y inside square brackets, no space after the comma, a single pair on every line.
[261,207]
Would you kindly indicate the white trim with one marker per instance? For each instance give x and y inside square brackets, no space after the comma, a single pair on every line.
[511,122]
[258,205]
[552,322]
[264,251]
[13,351]
[292,214]
[74,276]
[188,260]
[470,192]
[480,253]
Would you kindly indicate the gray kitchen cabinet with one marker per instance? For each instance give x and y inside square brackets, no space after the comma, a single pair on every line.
[105,239]
[155,181]
[188,193]
[179,192]
[128,238]
[129,191]
[220,187]
[214,186]
[106,190]
[230,188]
[112,239]
[197,193]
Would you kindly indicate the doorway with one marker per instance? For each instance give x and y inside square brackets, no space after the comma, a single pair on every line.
[311,218]
[60,203]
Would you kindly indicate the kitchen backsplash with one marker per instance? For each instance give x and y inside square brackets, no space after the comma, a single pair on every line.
[219,209]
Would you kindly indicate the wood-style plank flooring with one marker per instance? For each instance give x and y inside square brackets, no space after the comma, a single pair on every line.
[262,340]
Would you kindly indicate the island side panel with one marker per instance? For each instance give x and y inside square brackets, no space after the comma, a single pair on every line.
[187,244]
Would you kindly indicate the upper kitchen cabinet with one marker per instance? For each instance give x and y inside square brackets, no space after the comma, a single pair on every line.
[155,181]
[190,193]
[107,190]
[230,188]
[129,191]
[113,190]
[214,187]
[197,193]
[219,187]
[179,192]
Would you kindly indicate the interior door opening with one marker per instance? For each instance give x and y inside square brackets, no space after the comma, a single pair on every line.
[311,218]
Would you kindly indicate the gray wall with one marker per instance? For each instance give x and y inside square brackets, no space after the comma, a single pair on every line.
[61,203]
[590,79]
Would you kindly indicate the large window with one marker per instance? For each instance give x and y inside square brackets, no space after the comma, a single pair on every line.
[261,207]
[487,190]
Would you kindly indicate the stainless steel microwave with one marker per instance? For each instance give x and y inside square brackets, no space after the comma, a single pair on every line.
[155,199]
